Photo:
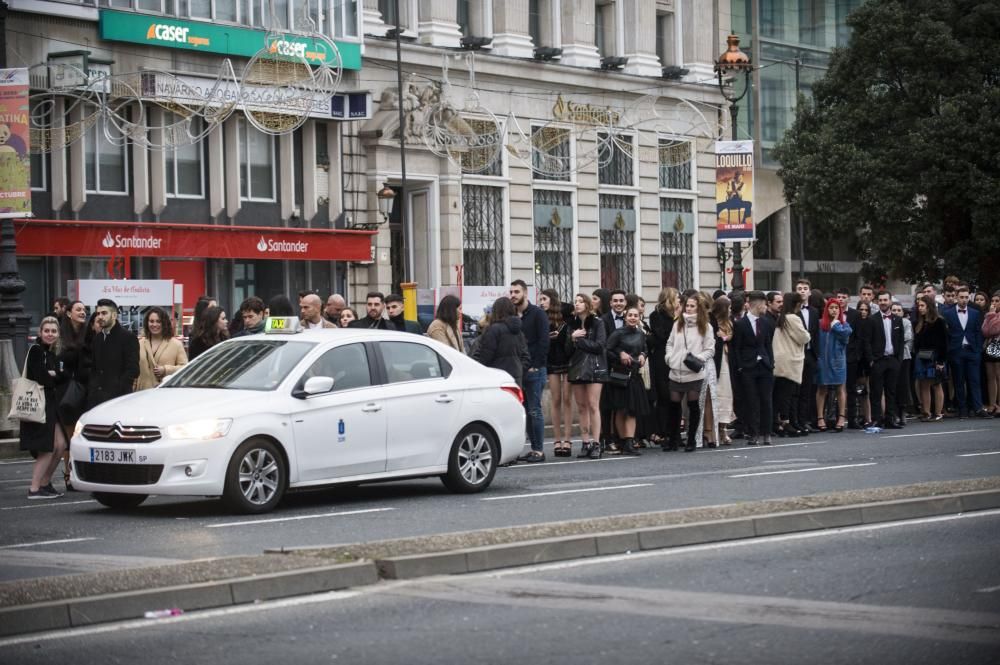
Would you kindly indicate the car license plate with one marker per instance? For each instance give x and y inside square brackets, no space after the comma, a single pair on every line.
[113,455]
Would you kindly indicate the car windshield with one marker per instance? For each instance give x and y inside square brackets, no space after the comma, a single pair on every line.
[250,365]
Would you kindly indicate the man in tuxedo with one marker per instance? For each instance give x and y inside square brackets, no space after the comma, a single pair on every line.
[612,320]
[753,356]
[883,344]
[965,343]
[775,301]
[807,391]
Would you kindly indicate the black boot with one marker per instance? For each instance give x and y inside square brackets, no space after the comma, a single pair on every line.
[694,417]
[628,447]
[673,427]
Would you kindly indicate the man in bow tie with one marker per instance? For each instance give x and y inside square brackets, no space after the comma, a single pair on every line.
[965,344]
[883,344]
[613,320]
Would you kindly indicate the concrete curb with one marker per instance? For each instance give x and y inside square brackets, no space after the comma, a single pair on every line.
[77,612]
[696,533]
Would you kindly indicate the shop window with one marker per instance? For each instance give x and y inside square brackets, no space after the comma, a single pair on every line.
[151,6]
[675,164]
[676,243]
[483,234]
[615,159]
[345,18]
[184,172]
[617,226]
[105,163]
[551,154]
[256,164]
[553,243]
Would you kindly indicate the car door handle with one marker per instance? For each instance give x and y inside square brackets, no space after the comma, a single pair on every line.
[444,399]
[371,408]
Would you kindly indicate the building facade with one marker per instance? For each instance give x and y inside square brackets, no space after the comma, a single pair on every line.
[571,146]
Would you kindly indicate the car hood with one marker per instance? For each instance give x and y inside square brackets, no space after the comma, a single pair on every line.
[167,406]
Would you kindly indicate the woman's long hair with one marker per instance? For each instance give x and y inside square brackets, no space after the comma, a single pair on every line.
[70,338]
[56,347]
[447,310]
[668,301]
[791,304]
[605,297]
[932,312]
[554,311]
[701,314]
[825,322]
[210,333]
[166,323]
[587,303]
[720,311]
[503,309]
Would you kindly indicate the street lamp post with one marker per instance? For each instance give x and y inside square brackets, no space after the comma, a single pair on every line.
[729,66]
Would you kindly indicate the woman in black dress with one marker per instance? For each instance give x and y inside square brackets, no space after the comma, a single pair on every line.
[628,400]
[214,328]
[661,321]
[587,371]
[72,346]
[45,441]
[557,368]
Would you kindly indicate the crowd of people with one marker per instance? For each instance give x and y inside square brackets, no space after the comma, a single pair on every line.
[696,371]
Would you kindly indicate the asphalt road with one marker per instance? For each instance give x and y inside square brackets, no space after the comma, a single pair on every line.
[924,591]
[75,534]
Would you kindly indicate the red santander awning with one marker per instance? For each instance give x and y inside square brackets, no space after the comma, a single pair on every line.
[49,237]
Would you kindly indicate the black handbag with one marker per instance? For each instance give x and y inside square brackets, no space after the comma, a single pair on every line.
[691,361]
[925,354]
[73,403]
[619,376]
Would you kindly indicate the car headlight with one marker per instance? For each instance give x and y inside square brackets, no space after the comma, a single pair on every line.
[78,429]
[210,428]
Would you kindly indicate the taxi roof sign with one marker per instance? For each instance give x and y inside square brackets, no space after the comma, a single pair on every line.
[282,325]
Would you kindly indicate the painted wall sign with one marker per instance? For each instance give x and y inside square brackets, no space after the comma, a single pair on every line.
[76,238]
[584,114]
[169,32]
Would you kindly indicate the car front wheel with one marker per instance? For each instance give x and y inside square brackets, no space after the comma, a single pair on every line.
[256,478]
[472,462]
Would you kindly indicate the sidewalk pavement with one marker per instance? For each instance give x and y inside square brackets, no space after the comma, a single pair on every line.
[29,606]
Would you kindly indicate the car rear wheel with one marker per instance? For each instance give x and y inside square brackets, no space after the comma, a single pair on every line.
[472,462]
[119,501]
[256,478]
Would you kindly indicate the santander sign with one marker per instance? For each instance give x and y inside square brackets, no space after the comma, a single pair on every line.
[119,241]
[266,245]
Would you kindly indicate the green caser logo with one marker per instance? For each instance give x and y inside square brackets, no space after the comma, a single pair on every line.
[174,33]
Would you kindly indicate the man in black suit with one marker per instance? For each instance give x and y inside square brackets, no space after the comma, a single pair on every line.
[753,355]
[883,344]
[612,320]
[854,348]
[807,391]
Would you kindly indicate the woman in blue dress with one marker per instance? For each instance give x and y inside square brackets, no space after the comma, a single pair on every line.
[834,334]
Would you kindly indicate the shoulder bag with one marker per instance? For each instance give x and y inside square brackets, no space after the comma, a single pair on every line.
[993,348]
[691,361]
[926,355]
[27,399]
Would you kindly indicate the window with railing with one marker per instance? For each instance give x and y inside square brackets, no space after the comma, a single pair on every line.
[551,153]
[617,227]
[484,154]
[675,164]
[483,235]
[553,242]
[615,159]
[677,233]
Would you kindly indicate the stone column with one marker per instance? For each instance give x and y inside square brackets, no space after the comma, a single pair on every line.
[157,163]
[77,163]
[58,155]
[510,29]
[372,19]
[309,204]
[699,47]
[437,24]
[232,157]
[781,225]
[140,179]
[286,175]
[217,172]
[334,190]
[640,38]
[578,43]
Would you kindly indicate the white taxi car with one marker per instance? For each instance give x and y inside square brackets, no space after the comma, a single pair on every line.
[257,415]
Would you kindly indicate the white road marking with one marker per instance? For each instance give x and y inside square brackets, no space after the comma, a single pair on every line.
[741,448]
[989,589]
[46,542]
[957,431]
[298,517]
[812,468]
[583,461]
[49,503]
[17,461]
[17,480]
[589,489]
[992,452]
[389,586]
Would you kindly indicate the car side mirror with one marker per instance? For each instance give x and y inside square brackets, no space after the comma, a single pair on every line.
[315,385]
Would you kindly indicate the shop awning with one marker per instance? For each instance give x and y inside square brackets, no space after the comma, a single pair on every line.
[49,237]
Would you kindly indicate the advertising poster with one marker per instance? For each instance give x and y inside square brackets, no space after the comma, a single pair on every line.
[15,160]
[734,221]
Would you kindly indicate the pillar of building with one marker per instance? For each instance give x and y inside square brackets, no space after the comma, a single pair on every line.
[286,175]
[58,186]
[157,162]
[372,20]
[579,48]
[309,203]
[640,38]
[232,156]
[510,29]
[697,18]
[217,171]
[781,225]
[438,23]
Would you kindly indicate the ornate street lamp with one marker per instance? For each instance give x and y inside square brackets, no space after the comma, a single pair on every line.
[385,197]
[729,66]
